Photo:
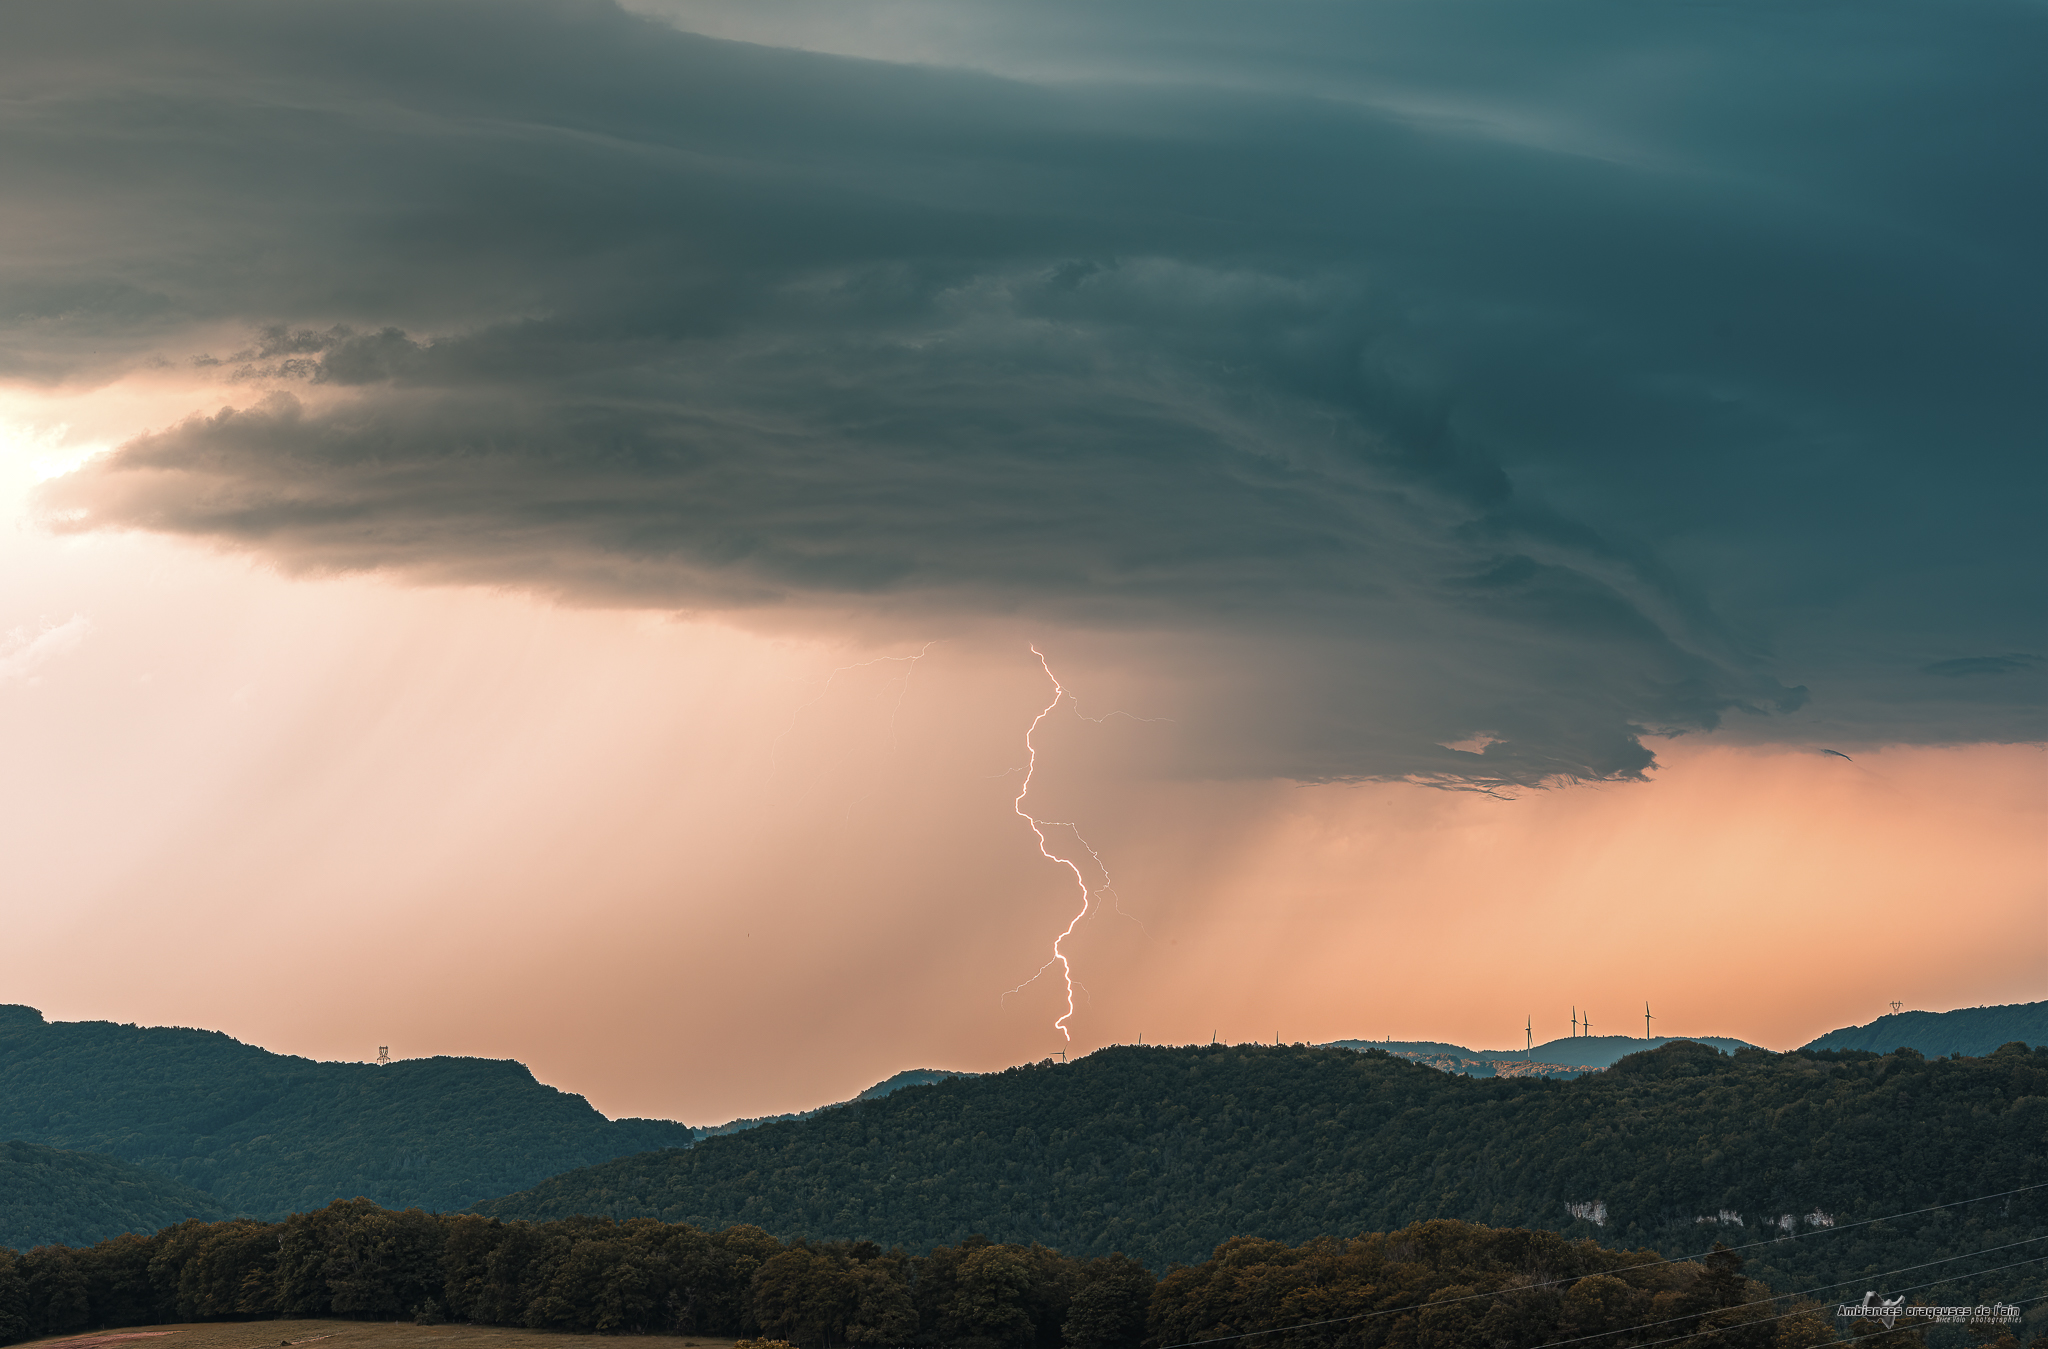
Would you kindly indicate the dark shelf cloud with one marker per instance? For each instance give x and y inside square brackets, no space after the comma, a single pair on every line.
[1417,378]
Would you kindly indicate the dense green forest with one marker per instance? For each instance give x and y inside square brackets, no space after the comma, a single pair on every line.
[1967,1030]
[1435,1285]
[1163,1153]
[48,1195]
[269,1134]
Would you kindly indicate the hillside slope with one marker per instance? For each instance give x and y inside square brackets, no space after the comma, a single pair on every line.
[1967,1030]
[1162,1153]
[1604,1051]
[1573,1054]
[51,1197]
[895,1082]
[268,1134]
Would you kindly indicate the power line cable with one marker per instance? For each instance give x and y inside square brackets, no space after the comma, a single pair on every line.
[1764,1321]
[1652,1325]
[1765,1302]
[1653,1264]
[1847,1227]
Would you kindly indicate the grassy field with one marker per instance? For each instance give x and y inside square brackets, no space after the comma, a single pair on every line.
[353,1335]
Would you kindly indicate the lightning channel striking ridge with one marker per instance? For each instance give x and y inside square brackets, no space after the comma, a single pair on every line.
[1038,828]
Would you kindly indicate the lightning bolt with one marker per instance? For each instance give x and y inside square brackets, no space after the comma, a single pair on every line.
[1038,828]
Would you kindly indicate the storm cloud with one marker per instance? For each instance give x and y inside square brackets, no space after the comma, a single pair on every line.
[1532,380]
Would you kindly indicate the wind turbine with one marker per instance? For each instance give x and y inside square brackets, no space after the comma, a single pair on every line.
[1646,1021]
[1529,1039]
[1575,1020]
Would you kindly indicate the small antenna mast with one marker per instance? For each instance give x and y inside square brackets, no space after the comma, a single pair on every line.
[383,1053]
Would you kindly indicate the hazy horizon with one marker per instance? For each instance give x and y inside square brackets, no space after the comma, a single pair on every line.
[1477,1049]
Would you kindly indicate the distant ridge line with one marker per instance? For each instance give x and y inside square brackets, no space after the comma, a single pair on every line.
[1970,1031]
[1574,1054]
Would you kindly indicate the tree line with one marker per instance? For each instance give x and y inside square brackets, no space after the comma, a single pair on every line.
[1441,1284]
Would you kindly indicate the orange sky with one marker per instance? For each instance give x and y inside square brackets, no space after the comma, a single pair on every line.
[699,872]
[1311,394]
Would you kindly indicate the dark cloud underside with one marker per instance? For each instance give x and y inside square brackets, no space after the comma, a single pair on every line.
[1599,416]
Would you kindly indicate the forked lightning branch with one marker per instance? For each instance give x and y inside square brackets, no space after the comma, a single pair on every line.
[1038,827]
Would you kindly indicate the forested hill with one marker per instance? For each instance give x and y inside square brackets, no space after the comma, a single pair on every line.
[1601,1051]
[1162,1153]
[1967,1030]
[52,1197]
[267,1134]
[895,1082]
[1576,1053]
